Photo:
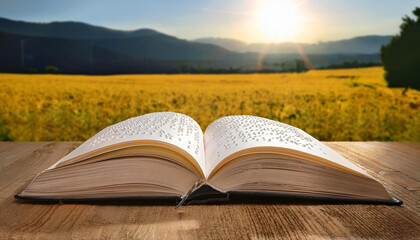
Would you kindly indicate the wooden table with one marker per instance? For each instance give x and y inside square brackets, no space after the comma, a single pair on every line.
[395,165]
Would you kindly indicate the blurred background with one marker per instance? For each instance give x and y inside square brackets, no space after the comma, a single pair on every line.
[340,70]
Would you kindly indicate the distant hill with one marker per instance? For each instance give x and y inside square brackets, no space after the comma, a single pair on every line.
[357,45]
[142,43]
[146,54]
[75,47]
[228,43]
[72,30]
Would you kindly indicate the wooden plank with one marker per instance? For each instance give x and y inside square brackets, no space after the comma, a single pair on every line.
[396,165]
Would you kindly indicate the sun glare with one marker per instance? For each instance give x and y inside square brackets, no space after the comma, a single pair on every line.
[279,20]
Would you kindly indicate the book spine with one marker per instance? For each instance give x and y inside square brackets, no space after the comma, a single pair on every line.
[196,186]
[204,192]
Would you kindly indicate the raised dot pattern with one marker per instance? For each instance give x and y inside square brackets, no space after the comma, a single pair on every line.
[229,133]
[175,128]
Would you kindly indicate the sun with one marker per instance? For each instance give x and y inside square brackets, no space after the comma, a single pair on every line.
[279,20]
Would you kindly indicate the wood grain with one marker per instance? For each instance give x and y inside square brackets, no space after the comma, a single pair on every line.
[395,165]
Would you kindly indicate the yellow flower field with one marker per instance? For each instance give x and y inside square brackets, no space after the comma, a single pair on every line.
[348,104]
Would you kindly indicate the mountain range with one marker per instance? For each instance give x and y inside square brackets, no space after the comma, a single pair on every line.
[364,44]
[75,47]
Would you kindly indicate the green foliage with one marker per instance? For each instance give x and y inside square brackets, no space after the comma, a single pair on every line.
[401,57]
[352,64]
[51,69]
[33,70]
[5,133]
[186,68]
[300,66]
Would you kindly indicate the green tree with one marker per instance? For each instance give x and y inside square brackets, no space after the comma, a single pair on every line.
[183,68]
[401,57]
[33,70]
[51,69]
[300,65]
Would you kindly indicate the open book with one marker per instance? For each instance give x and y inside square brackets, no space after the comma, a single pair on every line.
[166,154]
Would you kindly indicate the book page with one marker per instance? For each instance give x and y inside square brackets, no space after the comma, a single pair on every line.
[231,134]
[169,127]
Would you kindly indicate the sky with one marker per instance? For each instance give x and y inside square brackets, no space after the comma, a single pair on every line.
[246,20]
